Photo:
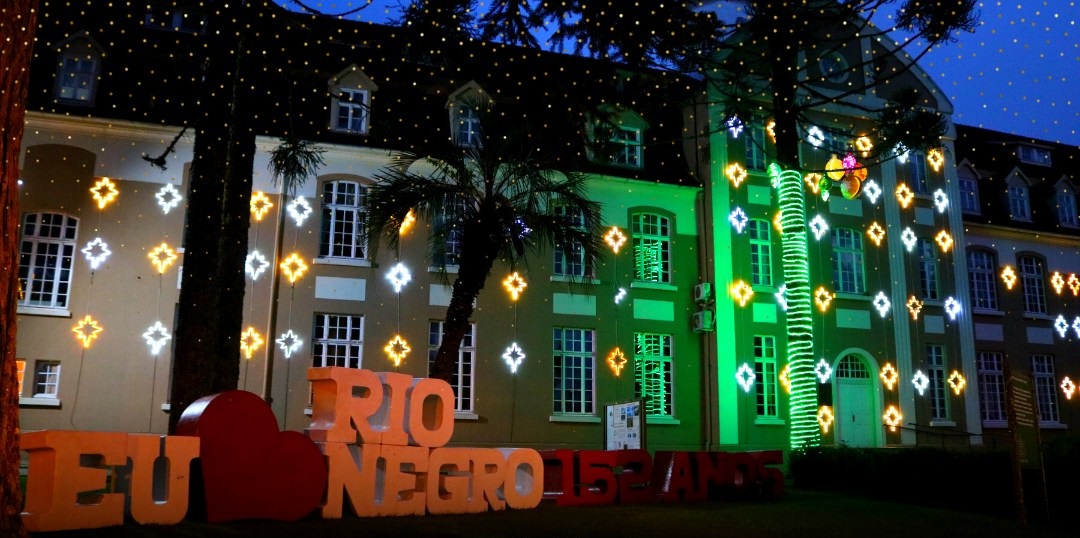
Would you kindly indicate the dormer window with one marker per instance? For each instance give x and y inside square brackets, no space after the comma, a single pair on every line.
[969,191]
[1066,207]
[77,71]
[350,104]
[1034,155]
[617,137]
[1019,206]
[467,126]
[627,151]
[465,106]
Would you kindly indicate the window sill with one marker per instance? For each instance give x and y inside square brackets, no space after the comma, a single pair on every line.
[988,312]
[1052,426]
[1040,317]
[764,289]
[352,262]
[166,407]
[574,279]
[653,286]
[450,269]
[995,424]
[852,296]
[461,415]
[586,419]
[942,424]
[43,311]
[662,421]
[38,401]
[363,132]
[768,421]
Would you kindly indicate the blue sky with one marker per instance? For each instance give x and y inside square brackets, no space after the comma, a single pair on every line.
[1018,73]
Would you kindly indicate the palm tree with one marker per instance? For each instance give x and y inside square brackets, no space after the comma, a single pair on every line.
[497,201]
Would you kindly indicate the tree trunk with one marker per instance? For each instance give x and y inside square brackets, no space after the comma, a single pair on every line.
[18,21]
[207,354]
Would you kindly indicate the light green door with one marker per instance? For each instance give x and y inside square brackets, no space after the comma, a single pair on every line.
[854,397]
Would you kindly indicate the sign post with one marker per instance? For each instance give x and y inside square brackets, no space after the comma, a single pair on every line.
[1024,427]
[624,426]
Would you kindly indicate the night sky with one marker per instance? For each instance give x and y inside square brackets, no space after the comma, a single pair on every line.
[1018,73]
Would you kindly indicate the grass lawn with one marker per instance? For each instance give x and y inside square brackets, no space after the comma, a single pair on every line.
[802,514]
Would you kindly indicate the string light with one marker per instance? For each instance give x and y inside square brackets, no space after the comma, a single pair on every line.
[514,285]
[742,292]
[825,418]
[105,192]
[822,297]
[396,350]
[1008,276]
[944,240]
[892,418]
[616,360]
[156,337]
[914,305]
[941,200]
[738,219]
[168,198]
[514,356]
[293,267]
[882,304]
[957,382]
[255,264]
[823,371]
[96,252]
[745,377]
[615,239]
[872,191]
[736,173]
[889,376]
[87,330]
[818,226]
[920,381]
[162,257]
[935,158]
[1068,387]
[299,209]
[289,343]
[1058,282]
[250,342]
[876,233]
[909,239]
[1061,325]
[398,276]
[904,195]
[260,205]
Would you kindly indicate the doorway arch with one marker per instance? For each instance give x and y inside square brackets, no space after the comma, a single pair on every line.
[856,399]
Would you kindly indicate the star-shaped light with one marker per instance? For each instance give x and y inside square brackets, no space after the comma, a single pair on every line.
[514,285]
[616,360]
[255,264]
[902,153]
[260,205]
[813,180]
[620,295]
[736,173]
[1076,326]
[889,376]
[944,240]
[864,145]
[250,342]
[741,292]
[914,305]
[904,195]
[1008,276]
[514,356]
[785,378]
[920,381]
[162,257]
[168,198]
[815,137]
[745,376]
[1058,282]
[738,219]
[818,226]
[1074,283]
[781,297]
[87,330]
[909,239]
[777,224]
[952,307]
[156,336]
[299,209]
[398,276]
[823,371]
[407,223]
[293,267]
[892,417]
[935,158]
[396,350]
[882,304]
[289,343]
[615,239]
[771,129]
[1068,387]
[941,200]
[822,297]
[872,191]
[734,125]
[825,418]
[876,233]
[957,382]
[105,191]
[96,252]
[1061,325]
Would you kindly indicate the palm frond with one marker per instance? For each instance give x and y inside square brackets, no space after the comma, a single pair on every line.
[293,161]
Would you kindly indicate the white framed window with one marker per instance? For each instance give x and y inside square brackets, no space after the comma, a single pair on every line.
[466,123]
[652,247]
[765,380]
[1046,398]
[982,277]
[464,376]
[928,273]
[447,233]
[969,193]
[1066,209]
[1019,205]
[572,263]
[350,109]
[991,388]
[1034,155]
[47,379]
[653,374]
[627,146]
[1033,284]
[573,370]
[918,177]
[77,72]
[760,232]
[848,269]
[338,340]
[344,208]
[755,146]
[46,255]
[937,390]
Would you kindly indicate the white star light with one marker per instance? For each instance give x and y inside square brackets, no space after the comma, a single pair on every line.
[1076,326]
[96,251]
[921,382]
[513,356]
[299,209]
[289,343]
[156,336]
[909,239]
[735,125]
[738,219]
[620,295]
[823,370]
[872,191]
[255,264]
[952,307]
[168,198]
[1061,325]
[882,304]
[941,200]
[902,153]
[818,226]
[815,137]
[398,276]
[781,297]
[745,376]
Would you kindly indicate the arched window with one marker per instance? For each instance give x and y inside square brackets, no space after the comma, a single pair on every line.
[344,209]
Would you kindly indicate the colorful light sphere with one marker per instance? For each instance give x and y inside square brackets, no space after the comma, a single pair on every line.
[825,418]
[872,191]
[615,239]
[260,205]
[834,168]
[738,219]
[407,222]
[876,233]
[1068,387]
[156,337]
[616,360]
[920,382]
[935,158]
[1074,284]
[957,382]
[1008,276]
[819,227]
[815,136]
[162,257]
[882,303]
[289,343]
[1058,282]
[299,210]
[396,350]
[741,292]
[514,285]
[96,252]
[851,185]
[745,376]
[823,371]
[514,356]
[736,173]
[944,240]
[104,192]
[909,239]
[168,198]
[892,418]
[952,307]
[87,330]
[293,267]
[398,276]
[822,297]
[785,378]
[620,295]
[941,200]
[889,376]
[255,264]
[781,297]
[250,342]
[904,195]
[914,306]
[864,145]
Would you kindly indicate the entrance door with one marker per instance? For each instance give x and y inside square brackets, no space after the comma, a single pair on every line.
[856,414]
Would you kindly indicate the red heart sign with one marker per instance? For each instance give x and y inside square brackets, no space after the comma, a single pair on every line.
[251,470]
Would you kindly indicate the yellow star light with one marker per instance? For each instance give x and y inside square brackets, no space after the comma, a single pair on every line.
[785,378]
[260,205]
[864,145]
[812,180]
[876,233]
[825,418]
[904,195]
[1058,282]
[293,267]
[935,158]
[514,285]
[615,239]
[822,297]
[396,350]
[616,360]
[162,257]
[944,240]
[250,341]
[777,224]
[892,417]
[742,292]
[105,191]
[87,330]
[1074,284]
[957,382]
[771,129]
[407,223]
[889,376]
[1068,387]
[736,173]
[1008,276]
[914,305]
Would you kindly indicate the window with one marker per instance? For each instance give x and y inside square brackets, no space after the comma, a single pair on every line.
[982,266]
[573,364]
[47,379]
[848,261]
[351,107]
[653,374]
[1018,203]
[344,207]
[1042,369]
[462,379]
[467,126]
[626,150]
[573,263]
[20,375]
[991,387]
[765,372]
[755,147]
[447,240]
[918,179]
[77,73]
[937,391]
[338,340]
[969,193]
[1066,209]
[760,252]
[45,259]
[1031,281]
[1033,155]
[652,248]
[928,277]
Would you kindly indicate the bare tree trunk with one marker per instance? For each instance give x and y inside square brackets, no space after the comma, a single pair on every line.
[18,21]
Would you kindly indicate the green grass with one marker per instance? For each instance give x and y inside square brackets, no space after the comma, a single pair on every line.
[802,514]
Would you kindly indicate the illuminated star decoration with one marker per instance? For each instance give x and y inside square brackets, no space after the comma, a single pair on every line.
[920,381]
[944,240]
[1008,276]
[902,153]
[892,417]
[1061,325]
[397,349]
[876,233]
[514,356]
[742,292]
[250,342]
[781,297]
[514,285]
[736,173]
[293,267]
[156,336]
[745,376]
[255,264]
[785,378]
[96,251]
[952,308]
[815,137]
[162,257]
[289,343]
[882,304]
[398,276]
[825,418]
[407,223]
[822,297]
[299,209]
[823,371]
[734,125]
[87,330]
[941,200]
[616,360]
[935,158]
[812,180]
[104,192]
[864,145]
[168,198]
[738,219]
[1076,326]
[620,295]
[1058,282]
[957,382]
[914,305]
[818,226]
[1068,387]
[888,375]
[615,239]
[872,191]
[771,129]
[1074,284]
[909,239]
[260,205]
[904,195]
